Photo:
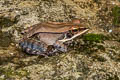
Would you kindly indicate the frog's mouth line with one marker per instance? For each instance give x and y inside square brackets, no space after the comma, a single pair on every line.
[74,35]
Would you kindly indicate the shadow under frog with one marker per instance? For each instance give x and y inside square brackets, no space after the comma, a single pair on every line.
[51,37]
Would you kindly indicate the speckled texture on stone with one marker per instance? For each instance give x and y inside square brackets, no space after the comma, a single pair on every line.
[16,15]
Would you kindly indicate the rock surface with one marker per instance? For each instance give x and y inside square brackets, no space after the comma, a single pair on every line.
[99,62]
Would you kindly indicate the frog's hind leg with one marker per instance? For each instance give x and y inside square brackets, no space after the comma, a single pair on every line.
[33,47]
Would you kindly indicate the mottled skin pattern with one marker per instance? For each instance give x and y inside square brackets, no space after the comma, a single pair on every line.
[51,37]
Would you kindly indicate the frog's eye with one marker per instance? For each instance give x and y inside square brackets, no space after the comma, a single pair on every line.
[74,30]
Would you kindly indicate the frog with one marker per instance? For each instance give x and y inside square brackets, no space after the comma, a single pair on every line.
[51,37]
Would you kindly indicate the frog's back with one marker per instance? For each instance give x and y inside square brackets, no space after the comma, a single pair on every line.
[53,27]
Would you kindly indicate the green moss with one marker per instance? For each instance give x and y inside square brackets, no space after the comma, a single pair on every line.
[92,43]
[116,15]
[94,37]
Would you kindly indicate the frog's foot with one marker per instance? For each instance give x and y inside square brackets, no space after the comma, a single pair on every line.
[50,50]
[60,46]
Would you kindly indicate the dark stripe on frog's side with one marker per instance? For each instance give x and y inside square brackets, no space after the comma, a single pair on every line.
[32,47]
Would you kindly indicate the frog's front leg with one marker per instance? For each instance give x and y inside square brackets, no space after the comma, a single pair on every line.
[60,46]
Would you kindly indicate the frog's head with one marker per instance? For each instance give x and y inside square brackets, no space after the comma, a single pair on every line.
[76,30]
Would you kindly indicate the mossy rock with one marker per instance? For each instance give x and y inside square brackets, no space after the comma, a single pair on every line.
[116,15]
[94,37]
